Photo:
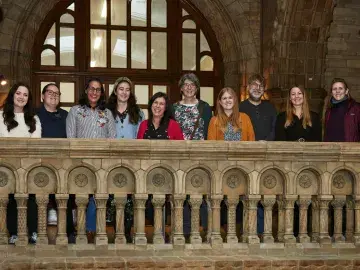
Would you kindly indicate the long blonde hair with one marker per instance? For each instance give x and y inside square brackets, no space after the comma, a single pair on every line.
[222,118]
[306,118]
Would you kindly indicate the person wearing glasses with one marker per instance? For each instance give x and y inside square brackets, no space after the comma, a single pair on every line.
[90,119]
[52,118]
[261,112]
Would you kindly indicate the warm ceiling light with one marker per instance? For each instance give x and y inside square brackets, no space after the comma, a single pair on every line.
[3,82]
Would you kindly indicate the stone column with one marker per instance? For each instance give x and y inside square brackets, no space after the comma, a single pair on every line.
[289,219]
[245,219]
[268,202]
[357,221]
[324,219]
[338,204]
[231,237]
[140,200]
[178,234]
[3,229]
[303,203]
[61,201]
[120,206]
[195,201]
[315,221]
[42,202]
[81,202]
[215,210]
[101,236]
[281,219]
[349,235]
[21,200]
[252,203]
[158,202]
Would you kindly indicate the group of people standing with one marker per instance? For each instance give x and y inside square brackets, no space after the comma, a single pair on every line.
[254,119]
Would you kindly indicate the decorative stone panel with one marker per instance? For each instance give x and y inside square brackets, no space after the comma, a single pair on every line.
[81,180]
[342,183]
[198,181]
[121,181]
[7,181]
[159,181]
[234,183]
[41,180]
[307,183]
[271,182]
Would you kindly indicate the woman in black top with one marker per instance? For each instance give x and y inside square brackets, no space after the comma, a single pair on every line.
[298,123]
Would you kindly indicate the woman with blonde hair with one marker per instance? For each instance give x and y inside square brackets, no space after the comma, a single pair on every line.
[228,123]
[298,123]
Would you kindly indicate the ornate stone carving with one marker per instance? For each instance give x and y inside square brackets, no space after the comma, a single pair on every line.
[81,180]
[158,180]
[120,180]
[305,181]
[41,179]
[269,181]
[339,181]
[3,179]
[197,181]
[233,181]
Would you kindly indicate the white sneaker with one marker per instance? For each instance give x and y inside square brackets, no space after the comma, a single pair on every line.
[13,239]
[52,217]
[33,238]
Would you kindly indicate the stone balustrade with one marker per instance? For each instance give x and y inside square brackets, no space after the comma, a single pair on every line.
[226,183]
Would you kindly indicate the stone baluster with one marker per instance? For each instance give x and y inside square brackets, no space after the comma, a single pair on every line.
[231,237]
[349,235]
[338,204]
[21,201]
[158,202]
[244,221]
[324,219]
[281,219]
[289,219]
[252,203]
[178,235]
[268,202]
[210,220]
[3,230]
[303,203]
[140,200]
[61,201]
[120,206]
[195,202]
[101,236]
[42,202]
[215,211]
[357,221]
[315,221]
[81,202]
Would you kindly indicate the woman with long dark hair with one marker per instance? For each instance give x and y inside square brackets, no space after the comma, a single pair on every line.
[127,114]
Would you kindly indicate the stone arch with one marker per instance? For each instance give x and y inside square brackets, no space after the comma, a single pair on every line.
[199,180]
[160,179]
[121,181]
[272,180]
[343,181]
[8,179]
[234,181]
[42,179]
[81,180]
[308,181]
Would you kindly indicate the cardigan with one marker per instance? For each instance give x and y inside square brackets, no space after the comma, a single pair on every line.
[174,131]
[127,130]
[22,130]
[247,131]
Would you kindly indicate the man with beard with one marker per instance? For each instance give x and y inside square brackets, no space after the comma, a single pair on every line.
[261,112]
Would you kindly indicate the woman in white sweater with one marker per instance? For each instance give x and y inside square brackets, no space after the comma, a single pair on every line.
[17,119]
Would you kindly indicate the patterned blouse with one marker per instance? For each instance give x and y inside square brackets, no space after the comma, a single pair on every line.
[83,122]
[186,115]
[230,135]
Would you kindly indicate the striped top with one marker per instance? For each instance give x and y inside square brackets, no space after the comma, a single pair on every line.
[83,122]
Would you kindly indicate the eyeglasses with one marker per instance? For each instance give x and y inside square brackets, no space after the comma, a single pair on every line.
[52,93]
[94,90]
[189,85]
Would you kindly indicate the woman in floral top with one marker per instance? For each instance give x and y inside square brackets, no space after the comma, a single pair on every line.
[191,113]
[229,124]
[91,119]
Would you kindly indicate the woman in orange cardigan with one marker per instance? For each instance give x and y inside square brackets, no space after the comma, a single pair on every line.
[228,123]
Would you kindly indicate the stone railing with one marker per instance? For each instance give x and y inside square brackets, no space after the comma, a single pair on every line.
[292,181]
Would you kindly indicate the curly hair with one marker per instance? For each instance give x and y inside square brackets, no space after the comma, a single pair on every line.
[132,107]
[102,100]
[8,110]
[168,114]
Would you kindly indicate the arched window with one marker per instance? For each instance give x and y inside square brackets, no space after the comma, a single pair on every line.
[153,42]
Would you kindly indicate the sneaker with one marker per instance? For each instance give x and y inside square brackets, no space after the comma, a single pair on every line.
[13,239]
[33,238]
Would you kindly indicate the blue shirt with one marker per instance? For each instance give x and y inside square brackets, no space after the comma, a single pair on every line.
[53,124]
[127,130]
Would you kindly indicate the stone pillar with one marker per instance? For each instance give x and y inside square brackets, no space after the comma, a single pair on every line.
[252,203]
[42,202]
[349,235]
[140,200]
[338,204]
[315,221]
[61,201]
[158,202]
[210,220]
[101,236]
[120,206]
[357,221]
[268,202]
[281,219]
[81,202]
[231,237]
[21,200]
[303,203]
[324,219]
[289,219]
[245,219]
[195,201]
[3,229]
[215,210]
[178,234]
